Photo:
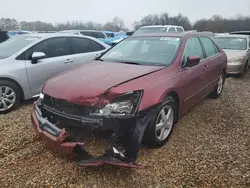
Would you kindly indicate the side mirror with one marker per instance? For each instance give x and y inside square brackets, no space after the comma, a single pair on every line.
[192,61]
[36,56]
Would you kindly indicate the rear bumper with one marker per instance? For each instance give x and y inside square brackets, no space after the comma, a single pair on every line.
[60,140]
[235,68]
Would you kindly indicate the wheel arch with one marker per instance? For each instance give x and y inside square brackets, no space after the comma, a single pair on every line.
[176,98]
[17,84]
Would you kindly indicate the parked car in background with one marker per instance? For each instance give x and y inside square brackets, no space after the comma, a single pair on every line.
[136,90]
[159,28]
[110,34]
[241,33]
[3,36]
[247,33]
[114,37]
[129,33]
[237,48]
[20,32]
[208,33]
[28,61]
[45,31]
[92,33]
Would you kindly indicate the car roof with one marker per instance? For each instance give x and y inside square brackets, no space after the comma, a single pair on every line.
[152,26]
[50,35]
[171,34]
[79,30]
[70,30]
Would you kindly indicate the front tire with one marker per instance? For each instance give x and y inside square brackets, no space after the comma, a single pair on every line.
[245,69]
[161,126]
[219,87]
[9,96]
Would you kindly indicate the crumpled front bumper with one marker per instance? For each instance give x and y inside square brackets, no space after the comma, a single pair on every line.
[58,139]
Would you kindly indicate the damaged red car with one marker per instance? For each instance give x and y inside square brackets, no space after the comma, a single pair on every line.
[135,92]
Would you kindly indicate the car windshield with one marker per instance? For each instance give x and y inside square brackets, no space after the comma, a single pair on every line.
[14,44]
[232,43]
[150,30]
[155,51]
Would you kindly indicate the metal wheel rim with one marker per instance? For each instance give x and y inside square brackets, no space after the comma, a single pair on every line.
[220,84]
[7,98]
[164,123]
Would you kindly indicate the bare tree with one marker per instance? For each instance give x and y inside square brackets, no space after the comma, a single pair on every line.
[8,24]
[163,19]
[219,24]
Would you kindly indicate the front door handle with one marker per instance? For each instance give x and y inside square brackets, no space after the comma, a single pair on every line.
[68,61]
[205,67]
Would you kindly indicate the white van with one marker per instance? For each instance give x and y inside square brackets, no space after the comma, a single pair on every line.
[159,28]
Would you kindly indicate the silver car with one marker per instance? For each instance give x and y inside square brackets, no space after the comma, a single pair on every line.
[237,48]
[28,61]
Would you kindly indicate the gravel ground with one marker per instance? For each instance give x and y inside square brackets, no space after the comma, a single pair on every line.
[210,147]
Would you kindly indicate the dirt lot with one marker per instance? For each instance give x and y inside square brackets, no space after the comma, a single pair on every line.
[210,147]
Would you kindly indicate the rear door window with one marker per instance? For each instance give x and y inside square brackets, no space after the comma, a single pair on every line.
[81,45]
[209,46]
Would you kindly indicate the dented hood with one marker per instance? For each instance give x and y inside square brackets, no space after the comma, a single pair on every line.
[84,84]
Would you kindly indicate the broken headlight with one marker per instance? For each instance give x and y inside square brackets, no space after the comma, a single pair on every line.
[125,104]
[41,96]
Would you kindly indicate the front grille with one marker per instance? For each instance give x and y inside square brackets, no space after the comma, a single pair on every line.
[66,107]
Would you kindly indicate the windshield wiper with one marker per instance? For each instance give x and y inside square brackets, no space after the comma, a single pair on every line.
[132,63]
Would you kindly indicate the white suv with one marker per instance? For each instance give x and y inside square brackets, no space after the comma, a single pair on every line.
[159,28]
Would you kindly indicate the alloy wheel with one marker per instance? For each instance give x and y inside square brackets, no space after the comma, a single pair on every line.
[164,123]
[220,84]
[7,98]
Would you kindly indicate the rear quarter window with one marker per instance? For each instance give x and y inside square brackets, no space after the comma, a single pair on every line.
[96,46]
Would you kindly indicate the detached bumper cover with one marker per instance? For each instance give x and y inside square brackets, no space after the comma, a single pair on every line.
[59,140]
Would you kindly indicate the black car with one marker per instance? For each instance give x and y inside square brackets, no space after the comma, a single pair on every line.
[3,36]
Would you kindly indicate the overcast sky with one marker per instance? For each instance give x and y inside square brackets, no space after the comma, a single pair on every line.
[102,11]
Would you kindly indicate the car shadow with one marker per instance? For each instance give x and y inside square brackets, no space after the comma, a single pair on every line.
[26,103]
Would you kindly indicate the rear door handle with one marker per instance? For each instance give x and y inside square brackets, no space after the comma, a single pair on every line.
[68,61]
[220,59]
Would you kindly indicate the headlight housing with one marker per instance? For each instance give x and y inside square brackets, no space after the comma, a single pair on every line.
[236,59]
[125,104]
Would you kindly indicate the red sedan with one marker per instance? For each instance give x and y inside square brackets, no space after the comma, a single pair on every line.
[134,92]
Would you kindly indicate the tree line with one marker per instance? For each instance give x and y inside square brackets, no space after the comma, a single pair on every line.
[216,23]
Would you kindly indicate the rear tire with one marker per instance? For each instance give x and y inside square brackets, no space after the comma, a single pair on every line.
[219,87]
[158,130]
[9,96]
